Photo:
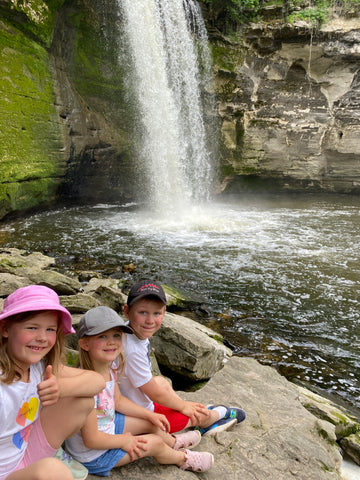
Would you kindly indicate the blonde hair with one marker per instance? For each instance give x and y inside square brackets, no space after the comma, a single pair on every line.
[86,363]
[9,371]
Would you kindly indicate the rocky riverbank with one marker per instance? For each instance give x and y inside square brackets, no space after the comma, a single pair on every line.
[289,431]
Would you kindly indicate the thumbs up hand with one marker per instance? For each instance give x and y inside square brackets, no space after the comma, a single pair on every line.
[48,389]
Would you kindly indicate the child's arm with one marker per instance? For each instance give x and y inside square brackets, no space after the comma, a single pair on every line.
[71,382]
[160,391]
[131,409]
[94,439]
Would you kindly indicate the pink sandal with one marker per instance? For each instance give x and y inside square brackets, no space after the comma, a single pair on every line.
[187,439]
[197,461]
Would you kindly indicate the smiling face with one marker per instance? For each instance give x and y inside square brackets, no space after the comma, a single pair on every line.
[29,340]
[103,348]
[145,317]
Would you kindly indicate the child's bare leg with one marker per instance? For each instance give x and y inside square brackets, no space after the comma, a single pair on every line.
[64,418]
[205,421]
[138,426]
[40,471]
[161,452]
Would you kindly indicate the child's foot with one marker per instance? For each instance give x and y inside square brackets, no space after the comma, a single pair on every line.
[187,439]
[219,426]
[231,412]
[77,469]
[197,461]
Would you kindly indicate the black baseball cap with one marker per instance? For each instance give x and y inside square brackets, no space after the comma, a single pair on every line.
[146,288]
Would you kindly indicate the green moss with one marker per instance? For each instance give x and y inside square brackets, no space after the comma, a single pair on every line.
[38,17]
[72,358]
[226,170]
[344,419]
[29,129]
[353,430]
[225,57]
[176,297]
[7,266]
[218,339]
[96,70]
[323,434]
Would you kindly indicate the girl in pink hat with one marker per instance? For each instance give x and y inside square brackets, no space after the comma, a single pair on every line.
[42,401]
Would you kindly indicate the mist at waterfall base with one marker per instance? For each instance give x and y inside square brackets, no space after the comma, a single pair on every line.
[279,278]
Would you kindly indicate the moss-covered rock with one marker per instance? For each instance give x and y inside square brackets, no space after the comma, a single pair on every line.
[30,143]
[62,104]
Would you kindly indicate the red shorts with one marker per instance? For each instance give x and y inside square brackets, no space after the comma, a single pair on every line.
[177,420]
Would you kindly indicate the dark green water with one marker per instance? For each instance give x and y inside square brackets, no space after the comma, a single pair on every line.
[278,276]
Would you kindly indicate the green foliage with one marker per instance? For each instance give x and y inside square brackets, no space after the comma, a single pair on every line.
[316,12]
[236,11]
[243,10]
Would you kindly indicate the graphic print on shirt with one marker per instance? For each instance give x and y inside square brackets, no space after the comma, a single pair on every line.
[28,412]
[104,408]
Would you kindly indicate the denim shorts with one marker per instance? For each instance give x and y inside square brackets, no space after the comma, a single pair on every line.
[106,462]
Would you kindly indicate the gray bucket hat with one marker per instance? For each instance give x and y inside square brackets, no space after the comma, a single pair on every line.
[100,319]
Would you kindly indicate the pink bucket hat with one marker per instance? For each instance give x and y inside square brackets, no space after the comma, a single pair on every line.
[34,298]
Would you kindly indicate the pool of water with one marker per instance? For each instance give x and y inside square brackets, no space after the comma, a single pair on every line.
[278,276]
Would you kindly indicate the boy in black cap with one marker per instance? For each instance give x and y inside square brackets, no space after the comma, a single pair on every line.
[145,310]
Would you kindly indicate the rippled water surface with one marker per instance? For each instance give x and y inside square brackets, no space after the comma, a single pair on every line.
[279,277]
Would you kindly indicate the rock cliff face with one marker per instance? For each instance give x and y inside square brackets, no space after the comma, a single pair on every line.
[64,125]
[289,105]
[288,102]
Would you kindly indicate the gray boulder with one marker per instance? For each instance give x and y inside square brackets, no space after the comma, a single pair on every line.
[62,284]
[188,348]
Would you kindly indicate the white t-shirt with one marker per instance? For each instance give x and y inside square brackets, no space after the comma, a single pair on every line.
[105,412]
[137,372]
[19,407]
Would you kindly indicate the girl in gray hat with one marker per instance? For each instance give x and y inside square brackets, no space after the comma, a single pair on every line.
[118,431]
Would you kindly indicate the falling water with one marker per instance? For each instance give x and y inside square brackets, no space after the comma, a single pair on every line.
[170,70]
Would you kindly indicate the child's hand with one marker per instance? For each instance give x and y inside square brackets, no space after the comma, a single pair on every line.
[195,411]
[48,389]
[160,421]
[135,446]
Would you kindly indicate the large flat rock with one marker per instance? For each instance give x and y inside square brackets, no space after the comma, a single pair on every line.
[279,440]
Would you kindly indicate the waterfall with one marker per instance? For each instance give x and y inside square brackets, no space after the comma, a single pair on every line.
[170,74]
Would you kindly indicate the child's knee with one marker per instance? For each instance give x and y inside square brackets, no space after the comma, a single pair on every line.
[156,443]
[40,471]
[58,470]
